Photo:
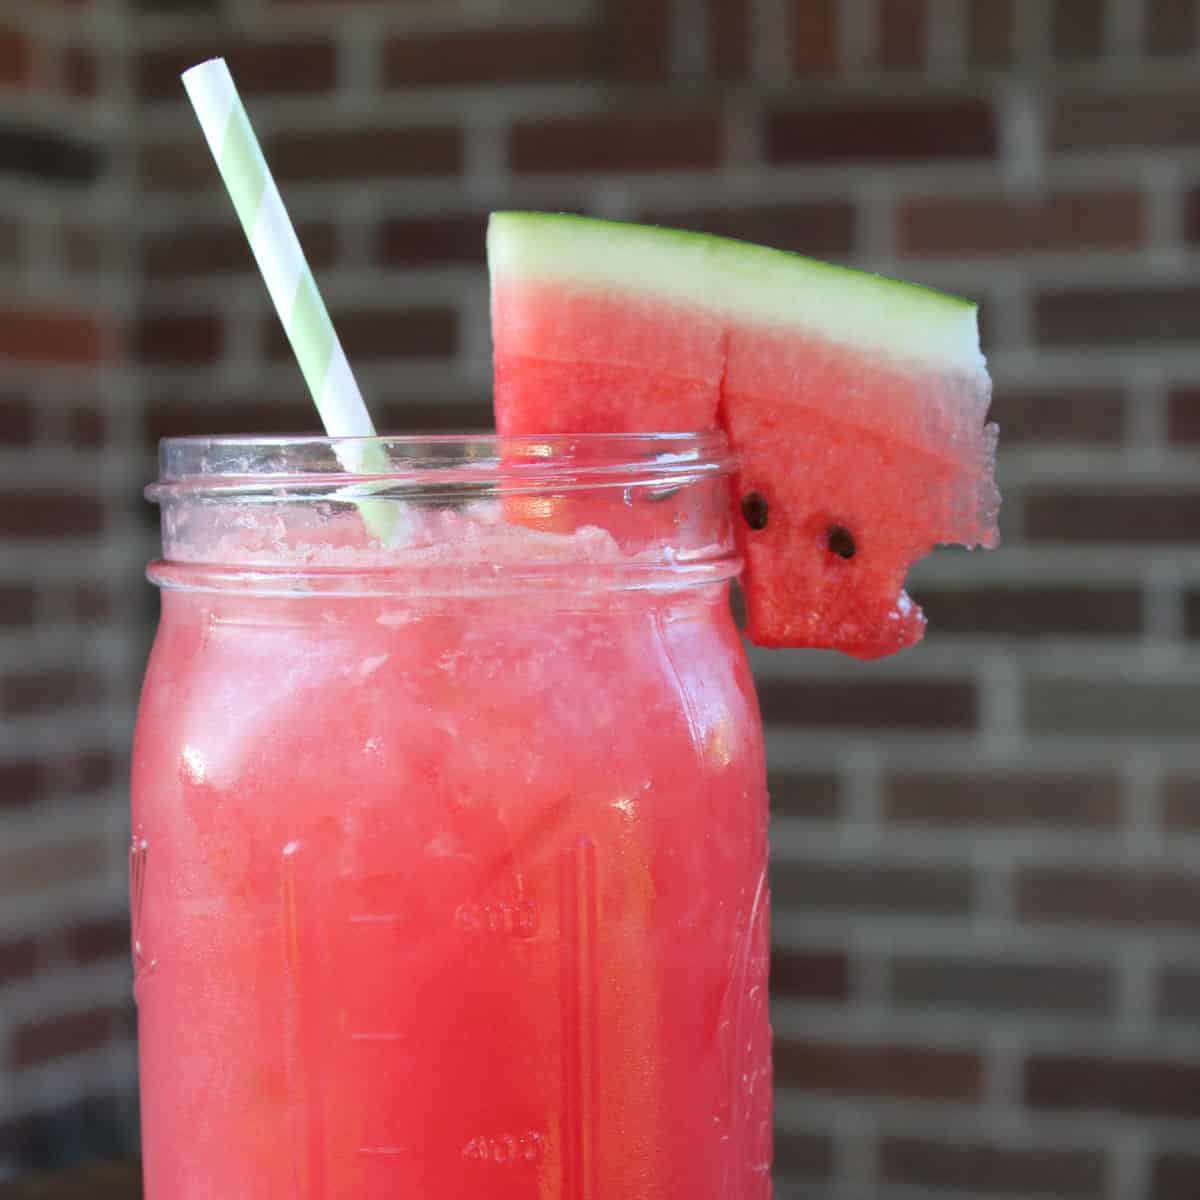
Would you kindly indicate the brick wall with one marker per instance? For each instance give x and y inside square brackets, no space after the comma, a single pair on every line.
[71,615]
[987,852]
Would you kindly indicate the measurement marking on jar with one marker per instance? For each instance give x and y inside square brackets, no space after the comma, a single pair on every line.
[375,918]
[379,1037]
[508,918]
[383,1150]
[507,1149]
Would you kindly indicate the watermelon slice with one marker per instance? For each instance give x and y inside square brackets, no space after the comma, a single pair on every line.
[857,404]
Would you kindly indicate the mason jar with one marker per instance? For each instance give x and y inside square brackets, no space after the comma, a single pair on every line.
[449,826]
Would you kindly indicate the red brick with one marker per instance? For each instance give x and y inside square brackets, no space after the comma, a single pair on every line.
[1191,614]
[492,56]
[49,336]
[1137,517]
[814,30]
[815,227]
[1170,28]
[93,941]
[48,1038]
[86,425]
[1066,221]
[25,693]
[1002,986]
[60,157]
[729,40]
[910,1072]
[89,602]
[12,237]
[179,339]
[48,515]
[989,32]
[1175,1176]
[899,131]
[223,250]
[809,1154]
[92,770]
[809,794]
[1125,119]
[902,32]
[231,414]
[18,957]
[1179,994]
[985,1169]
[1123,898]
[16,421]
[371,334]
[80,73]
[83,604]
[425,241]
[16,605]
[1013,797]
[1078,28]
[1191,215]
[1183,418]
[872,888]
[87,250]
[883,705]
[1066,414]
[47,866]
[1133,316]
[646,141]
[1033,611]
[17,60]
[307,67]
[1183,802]
[638,33]
[1141,1086]
[384,154]
[22,782]
[106,1181]
[810,975]
[176,163]
[410,414]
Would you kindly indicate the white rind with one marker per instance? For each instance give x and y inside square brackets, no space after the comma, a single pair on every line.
[743,282]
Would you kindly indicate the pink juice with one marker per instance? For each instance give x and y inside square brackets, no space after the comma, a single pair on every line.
[449,863]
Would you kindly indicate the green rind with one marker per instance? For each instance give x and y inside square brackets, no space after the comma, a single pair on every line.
[742,281]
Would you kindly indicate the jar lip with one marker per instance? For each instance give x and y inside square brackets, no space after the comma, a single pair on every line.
[230,465]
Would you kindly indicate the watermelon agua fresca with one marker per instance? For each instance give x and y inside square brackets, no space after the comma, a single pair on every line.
[856,404]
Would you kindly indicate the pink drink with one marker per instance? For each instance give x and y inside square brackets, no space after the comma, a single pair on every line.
[449,861]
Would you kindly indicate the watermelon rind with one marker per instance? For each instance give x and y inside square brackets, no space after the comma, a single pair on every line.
[744,282]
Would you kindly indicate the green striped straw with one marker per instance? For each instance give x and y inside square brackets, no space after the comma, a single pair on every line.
[288,277]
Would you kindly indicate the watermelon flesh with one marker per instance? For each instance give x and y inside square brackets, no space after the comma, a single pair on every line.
[857,405]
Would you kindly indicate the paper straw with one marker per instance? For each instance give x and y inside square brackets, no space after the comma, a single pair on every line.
[286,272]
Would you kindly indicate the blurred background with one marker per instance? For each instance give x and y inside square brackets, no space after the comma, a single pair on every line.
[987,852]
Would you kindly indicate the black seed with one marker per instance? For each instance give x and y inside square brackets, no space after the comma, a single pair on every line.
[754,509]
[841,542]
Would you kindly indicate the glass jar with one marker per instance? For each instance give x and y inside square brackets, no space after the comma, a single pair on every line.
[449,849]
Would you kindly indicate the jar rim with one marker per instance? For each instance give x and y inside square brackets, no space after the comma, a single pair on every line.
[234,465]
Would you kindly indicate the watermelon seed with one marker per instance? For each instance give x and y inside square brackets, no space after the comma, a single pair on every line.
[754,509]
[841,542]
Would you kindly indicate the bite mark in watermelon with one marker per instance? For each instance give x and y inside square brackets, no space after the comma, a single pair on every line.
[857,405]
